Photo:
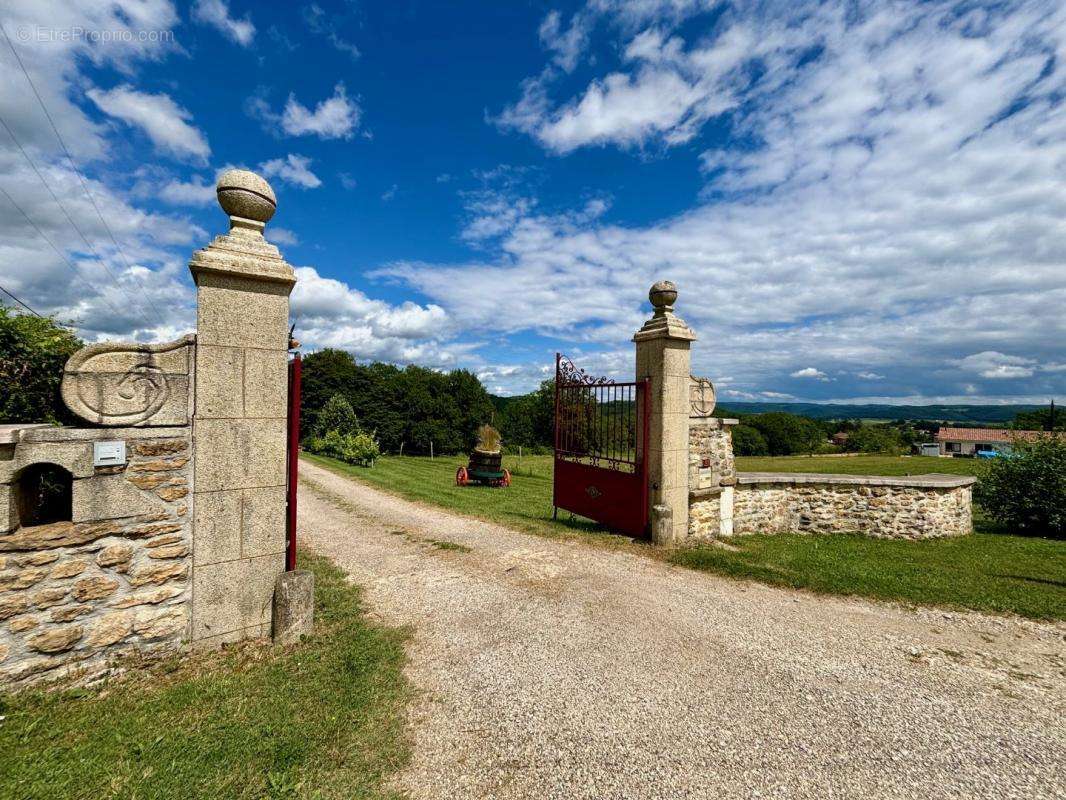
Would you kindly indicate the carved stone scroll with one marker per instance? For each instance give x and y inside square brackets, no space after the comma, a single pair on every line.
[701,396]
[130,384]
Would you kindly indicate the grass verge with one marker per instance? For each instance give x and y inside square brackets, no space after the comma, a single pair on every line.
[323,719]
[984,571]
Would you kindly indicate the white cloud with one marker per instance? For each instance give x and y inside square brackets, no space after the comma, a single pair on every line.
[329,313]
[216,14]
[389,193]
[281,235]
[293,169]
[194,192]
[870,376]
[347,181]
[162,120]
[336,117]
[990,364]
[810,372]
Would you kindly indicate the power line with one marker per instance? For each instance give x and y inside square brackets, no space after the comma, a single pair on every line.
[5,291]
[59,252]
[84,184]
[73,224]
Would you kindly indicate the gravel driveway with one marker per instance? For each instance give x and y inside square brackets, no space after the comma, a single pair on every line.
[557,669]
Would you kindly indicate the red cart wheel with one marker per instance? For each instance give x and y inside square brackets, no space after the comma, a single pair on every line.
[461,478]
[506,478]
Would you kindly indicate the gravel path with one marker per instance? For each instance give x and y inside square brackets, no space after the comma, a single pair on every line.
[556,669]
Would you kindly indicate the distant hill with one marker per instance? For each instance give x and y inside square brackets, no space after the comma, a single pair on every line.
[981,415]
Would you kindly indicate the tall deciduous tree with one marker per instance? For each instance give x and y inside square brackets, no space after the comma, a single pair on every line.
[33,351]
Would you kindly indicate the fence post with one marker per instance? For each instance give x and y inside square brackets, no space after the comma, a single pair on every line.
[663,357]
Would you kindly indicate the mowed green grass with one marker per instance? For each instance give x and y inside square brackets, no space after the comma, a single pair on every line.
[985,571]
[989,570]
[322,719]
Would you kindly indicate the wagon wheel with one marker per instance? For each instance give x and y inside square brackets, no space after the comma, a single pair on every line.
[461,478]
[506,481]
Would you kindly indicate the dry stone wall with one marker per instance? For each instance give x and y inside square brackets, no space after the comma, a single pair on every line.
[77,595]
[918,507]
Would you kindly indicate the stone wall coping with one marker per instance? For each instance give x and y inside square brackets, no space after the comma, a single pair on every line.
[705,493]
[714,422]
[10,434]
[52,433]
[931,480]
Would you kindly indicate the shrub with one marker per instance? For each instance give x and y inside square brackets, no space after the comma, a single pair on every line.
[360,448]
[1026,490]
[875,439]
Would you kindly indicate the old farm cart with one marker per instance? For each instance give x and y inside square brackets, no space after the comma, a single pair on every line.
[601,442]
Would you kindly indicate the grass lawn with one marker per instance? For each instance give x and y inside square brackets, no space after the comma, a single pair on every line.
[984,571]
[319,720]
[988,571]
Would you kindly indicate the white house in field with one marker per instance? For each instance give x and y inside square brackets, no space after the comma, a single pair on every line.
[965,442]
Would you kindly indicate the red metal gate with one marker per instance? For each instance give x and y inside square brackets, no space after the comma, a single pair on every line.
[601,437]
[293,461]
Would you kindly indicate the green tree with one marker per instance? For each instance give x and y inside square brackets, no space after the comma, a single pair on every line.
[337,415]
[326,373]
[787,434]
[747,441]
[875,439]
[1039,420]
[1026,491]
[33,351]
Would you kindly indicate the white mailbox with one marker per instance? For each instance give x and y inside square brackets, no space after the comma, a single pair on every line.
[109,454]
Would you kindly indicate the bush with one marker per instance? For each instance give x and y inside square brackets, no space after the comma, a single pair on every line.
[1026,491]
[359,448]
[747,441]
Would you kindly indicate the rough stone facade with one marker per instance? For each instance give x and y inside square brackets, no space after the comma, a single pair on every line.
[75,595]
[919,507]
[710,453]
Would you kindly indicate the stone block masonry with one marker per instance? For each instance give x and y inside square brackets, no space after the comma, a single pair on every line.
[76,595]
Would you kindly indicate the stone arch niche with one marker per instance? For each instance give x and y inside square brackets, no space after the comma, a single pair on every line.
[42,493]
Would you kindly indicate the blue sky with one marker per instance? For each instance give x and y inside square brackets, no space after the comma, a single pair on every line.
[858,201]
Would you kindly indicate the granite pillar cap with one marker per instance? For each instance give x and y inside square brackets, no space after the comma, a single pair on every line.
[244,195]
[663,323]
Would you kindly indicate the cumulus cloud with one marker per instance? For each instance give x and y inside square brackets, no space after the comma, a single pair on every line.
[336,117]
[810,372]
[193,192]
[281,235]
[888,200]
[990,364]
[330,313]
[164,122]
[216,14]
[293,169]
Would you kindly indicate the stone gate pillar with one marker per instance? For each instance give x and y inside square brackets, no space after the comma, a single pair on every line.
[239,420]
[662,346]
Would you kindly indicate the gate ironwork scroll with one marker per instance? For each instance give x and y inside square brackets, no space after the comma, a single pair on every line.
[601,441]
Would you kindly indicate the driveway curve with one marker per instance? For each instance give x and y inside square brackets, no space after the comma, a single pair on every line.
[557,669]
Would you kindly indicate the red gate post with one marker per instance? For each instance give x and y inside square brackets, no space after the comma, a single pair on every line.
[293,465]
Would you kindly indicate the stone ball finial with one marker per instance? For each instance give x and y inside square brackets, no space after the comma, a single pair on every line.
[244,194]
[663,294]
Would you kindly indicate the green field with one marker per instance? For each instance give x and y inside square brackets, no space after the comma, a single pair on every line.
[990,570]
[323,719]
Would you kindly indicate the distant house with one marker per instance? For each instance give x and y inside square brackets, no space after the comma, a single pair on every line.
[840,439]
[963,442]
